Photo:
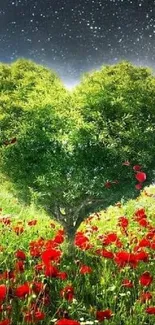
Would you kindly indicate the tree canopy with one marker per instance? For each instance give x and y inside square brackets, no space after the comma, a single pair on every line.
[70,150]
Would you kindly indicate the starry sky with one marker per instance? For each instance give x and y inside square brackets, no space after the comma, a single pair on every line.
[76,36]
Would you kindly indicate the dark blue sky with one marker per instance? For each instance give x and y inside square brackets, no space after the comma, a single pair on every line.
[75,36]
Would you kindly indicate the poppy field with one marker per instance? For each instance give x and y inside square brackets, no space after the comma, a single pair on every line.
[109,279]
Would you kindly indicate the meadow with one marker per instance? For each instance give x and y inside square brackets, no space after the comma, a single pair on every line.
[110,278]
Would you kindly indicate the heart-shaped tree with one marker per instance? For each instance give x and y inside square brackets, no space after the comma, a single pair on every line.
[77,152]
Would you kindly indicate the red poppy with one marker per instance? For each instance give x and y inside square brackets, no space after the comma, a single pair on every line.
[81,241]
[51,255]
[67,293]
[34,316]
[138,186]
[146,279]
[3,291]
[62,275]
[39,315]
[5,322]
[103,314]
[123,223]
[143,222]
[38,287]
[18,230]
[144,243]
[22,290]
[66,321]
[51,271]
[20,266]
[32,222]
[145,296]
[20,254]
[59,238]
[110,239]
[105,253]
[150,310]
[136,168]
[123,258]
[84,269]
[142,256]
[141,177]
[127,283]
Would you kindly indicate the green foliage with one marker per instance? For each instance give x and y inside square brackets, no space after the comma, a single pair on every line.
[69,145]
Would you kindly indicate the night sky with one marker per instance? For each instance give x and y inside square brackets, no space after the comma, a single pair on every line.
[75,36]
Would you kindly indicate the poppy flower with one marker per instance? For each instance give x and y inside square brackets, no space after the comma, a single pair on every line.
[51,255]
[136,168]
[67,293]
[81,241]
[34,316]
[66,321]
[18,230]
[105,253]
[127,283]
[38,287]
[51,271]
[20,266]
[62,275]
[32,222]
[3,291]
[103,314]
[145,296]
[142,256]
[5,322]
[138,186]
[150,310]
[84,269]
[123,222]
[140,214]
[20,254]
[141,177]
[22,290]
[123,258]
[146,279]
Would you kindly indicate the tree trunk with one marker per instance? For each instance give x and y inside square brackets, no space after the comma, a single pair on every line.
[70,232]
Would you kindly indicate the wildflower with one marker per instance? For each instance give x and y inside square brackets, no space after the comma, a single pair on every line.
[3,291]
[20,266]
[66,321]
[105,253]
[32,222]
[5,322]
[136,168]
[140,176]
[127,283]
[145,296]
[51,271]
[150,310]
[138,186]
[84,269]
[18,230]
[103,314]
[51,255]
[67,293]
[22,290]
[146,279]
[20,254]
[62,275]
